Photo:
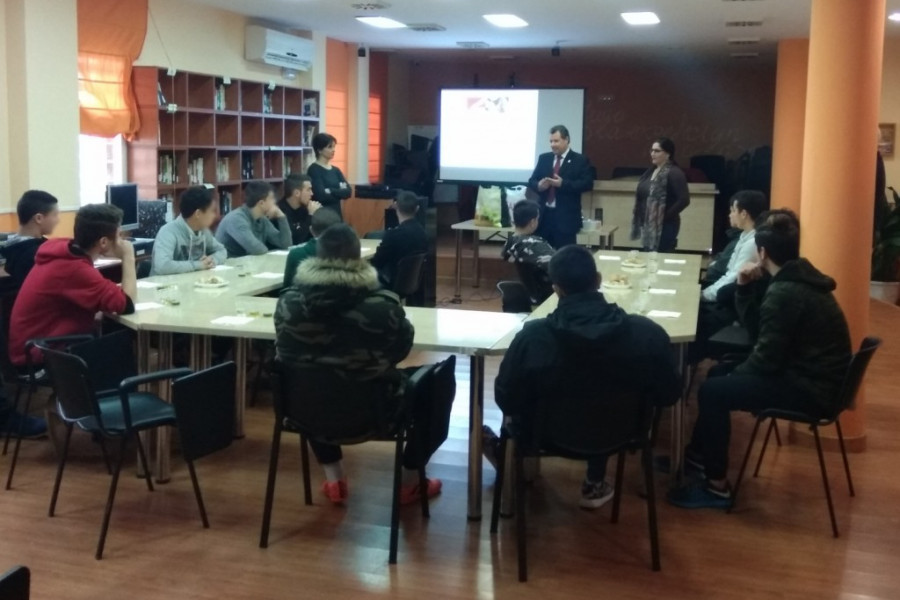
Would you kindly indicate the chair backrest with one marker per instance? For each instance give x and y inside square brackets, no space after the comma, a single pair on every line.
[204,409]
[408,275]
[430,393]
[71,381]
[514,296]
[536,282]
[110,359]
[597,408]
[325,404]
[15,584]
[856,370]
[151,217]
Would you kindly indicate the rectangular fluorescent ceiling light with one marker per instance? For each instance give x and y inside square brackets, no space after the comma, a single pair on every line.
[895,17]
[381,22]
[505,20]
[640,18]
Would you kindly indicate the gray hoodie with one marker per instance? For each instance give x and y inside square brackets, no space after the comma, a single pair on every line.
[242,234]
[178,249]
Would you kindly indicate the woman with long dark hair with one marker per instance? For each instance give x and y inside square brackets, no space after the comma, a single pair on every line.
[661,195]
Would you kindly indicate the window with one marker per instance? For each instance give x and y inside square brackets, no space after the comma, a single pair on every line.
[100,161]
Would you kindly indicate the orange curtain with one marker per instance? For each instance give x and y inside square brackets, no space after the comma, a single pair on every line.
[110,38]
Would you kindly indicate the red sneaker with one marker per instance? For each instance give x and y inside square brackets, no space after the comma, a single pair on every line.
[413,493]
[336,491]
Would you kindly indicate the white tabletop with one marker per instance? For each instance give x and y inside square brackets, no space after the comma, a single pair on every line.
[470,225]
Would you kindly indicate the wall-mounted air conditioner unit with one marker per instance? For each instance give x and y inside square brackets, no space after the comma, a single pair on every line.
[279,49]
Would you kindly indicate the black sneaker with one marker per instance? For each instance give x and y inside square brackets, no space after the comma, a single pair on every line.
[594,495]
[29,428]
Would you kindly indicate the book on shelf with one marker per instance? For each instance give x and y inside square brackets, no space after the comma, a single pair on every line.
[195,171]
[311,107]
[247,169]
[267,103]
[166,173]
[160,97]
[220,95]
[223,169]
[308,134]
[224,202]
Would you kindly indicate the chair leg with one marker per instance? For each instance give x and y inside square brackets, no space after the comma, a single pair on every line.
[197,493]
[777,433]
[762,452]
[102,442]
[13,409]
[270,486]
[498,482]
[840,433]
[617,494]
[521,529]
[107,513]
[18,444]
[654,428]
[647,459]
[395,501]
[423,496]
[834,527]
[304,466]
[59,470]
[740,477]
[148,477]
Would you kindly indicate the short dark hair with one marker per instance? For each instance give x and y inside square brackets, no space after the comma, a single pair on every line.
[197,197]
[407,203]
[321,141]
[34,202]
[294,182]
[256,192]
[322,219]
[524,212]
[95,221]
[667,145]
[562,130]
[338,242]
[574,270]
[780,238]
[767,217]
[753,201]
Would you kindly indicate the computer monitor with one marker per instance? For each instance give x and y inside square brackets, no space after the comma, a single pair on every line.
[125,197]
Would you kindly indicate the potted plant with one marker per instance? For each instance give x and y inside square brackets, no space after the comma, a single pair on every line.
[885,284]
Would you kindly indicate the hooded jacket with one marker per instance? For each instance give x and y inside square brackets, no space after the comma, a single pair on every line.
[803,335]
[335,315]
[60,296]
[531,254]
[584,325]
[19,252]
[178,248]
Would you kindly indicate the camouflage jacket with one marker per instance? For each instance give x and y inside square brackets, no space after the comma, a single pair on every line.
[334,314]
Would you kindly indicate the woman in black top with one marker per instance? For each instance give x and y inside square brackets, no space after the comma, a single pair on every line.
[661,195]
[328,183]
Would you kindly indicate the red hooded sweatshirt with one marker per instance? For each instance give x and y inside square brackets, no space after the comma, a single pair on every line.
[60,296]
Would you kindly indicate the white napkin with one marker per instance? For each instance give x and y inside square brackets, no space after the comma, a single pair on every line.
[675,273]
[268,275]
[279,252]
[606,257]
[661,291]
[664,314]
[148,284]
[675,261]
[231,320]
[221,268]
[147,305]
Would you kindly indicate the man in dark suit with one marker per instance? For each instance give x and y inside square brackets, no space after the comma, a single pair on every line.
[407,238]
[559,178]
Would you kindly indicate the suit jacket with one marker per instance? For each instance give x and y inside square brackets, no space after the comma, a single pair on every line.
[578,177]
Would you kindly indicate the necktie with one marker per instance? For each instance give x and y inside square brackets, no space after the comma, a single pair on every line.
[551,195]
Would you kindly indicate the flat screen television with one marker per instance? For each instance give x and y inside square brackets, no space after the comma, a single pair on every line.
[125,197]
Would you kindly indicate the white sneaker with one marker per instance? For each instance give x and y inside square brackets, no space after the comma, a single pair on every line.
[595,495]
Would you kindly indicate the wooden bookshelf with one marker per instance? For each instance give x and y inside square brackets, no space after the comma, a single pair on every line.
[212,129]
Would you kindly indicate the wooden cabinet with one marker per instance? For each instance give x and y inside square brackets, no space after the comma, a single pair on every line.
[206,129]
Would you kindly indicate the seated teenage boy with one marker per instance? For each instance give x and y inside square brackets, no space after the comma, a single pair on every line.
[408,238]
[64,291]
[530,252]
[539,361]
[335,314]
[186,244]
[321,220]
[798,362]
[38,216]
[298,206]
[248,228]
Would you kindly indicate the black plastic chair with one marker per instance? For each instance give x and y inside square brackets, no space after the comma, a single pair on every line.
[514,297]
[615,420]
[204,410]
[408,275]
[323,404]
[121,417]
[535,281]
[15,584]
[856,371]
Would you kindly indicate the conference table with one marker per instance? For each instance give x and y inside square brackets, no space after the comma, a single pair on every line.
[236,310]
[601,236]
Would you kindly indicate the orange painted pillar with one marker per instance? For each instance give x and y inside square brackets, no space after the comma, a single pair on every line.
[838,185]
[790,113]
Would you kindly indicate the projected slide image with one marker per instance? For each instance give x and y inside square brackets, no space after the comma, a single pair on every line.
[493,127]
